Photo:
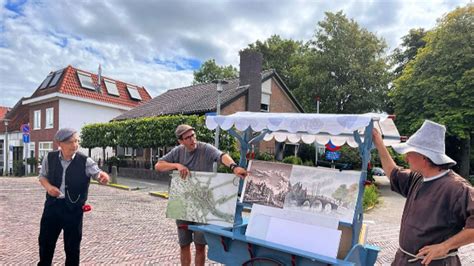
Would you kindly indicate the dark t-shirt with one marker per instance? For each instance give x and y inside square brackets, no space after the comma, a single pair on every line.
[434,210]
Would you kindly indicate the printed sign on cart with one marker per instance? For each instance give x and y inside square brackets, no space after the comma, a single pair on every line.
[323,190]
[203,197]
[267,183]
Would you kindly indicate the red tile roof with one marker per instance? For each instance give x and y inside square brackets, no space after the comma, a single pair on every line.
[3,111]
[18,116]
[70,84]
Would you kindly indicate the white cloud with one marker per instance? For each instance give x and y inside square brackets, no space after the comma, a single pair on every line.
[156,43]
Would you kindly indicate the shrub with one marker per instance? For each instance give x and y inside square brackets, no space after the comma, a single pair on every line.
[292,160]
[18,168]
[264,156]
[371,197]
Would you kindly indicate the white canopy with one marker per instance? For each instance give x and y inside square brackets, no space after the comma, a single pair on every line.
[308,128]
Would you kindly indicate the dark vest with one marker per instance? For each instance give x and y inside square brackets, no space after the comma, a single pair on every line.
[77,182]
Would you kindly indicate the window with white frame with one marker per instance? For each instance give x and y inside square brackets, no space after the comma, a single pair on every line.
[266,93]
[111,87]
[86,80]
[37,119]
[133,91]
[49,118]
[44,148]
[265,103]
[128,151]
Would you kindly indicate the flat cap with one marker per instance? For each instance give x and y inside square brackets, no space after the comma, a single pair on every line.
[64,134]
[181,129]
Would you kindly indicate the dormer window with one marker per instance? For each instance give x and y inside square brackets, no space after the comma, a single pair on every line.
[86,80]
[133,91]
[111,87]
[46,81]
[51,80]
[56,78]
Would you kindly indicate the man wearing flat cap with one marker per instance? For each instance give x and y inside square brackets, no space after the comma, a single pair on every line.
[193,155]
[65,174]
[438,217]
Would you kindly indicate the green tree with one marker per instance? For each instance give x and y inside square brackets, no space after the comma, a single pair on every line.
[438,84]
[407,51]
[346,68]
[283,55]
[210,71]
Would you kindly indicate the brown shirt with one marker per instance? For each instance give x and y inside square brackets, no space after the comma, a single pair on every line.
[434,210]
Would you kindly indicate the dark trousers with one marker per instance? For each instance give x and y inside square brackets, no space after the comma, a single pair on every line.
[56,217]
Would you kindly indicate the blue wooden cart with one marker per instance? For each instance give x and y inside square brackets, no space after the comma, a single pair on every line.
[230,245]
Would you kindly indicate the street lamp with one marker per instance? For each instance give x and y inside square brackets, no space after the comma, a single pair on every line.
[316,145]
[6,147]
[219,83]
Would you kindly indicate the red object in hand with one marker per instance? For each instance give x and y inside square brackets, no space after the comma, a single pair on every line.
[250,155]
[367,183]
[86,208]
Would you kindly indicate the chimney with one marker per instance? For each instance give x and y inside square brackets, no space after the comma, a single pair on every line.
[250,74]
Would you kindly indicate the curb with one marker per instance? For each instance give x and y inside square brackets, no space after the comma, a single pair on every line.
[161,194]
[117,186]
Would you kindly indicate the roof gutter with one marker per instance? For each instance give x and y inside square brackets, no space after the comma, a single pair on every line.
[46,98]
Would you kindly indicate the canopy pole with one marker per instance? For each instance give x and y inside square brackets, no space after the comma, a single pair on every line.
[364,152]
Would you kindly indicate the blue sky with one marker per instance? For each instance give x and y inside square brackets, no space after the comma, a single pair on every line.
[158,44]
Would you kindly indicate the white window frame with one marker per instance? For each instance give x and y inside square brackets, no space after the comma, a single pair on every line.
[134,93]
[265,100]
[111,87]
[86,80]
[127,151]
[37,120]
[44,148]
[49,118]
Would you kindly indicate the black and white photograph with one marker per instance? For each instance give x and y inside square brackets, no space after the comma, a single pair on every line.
[267,183]
[324,191]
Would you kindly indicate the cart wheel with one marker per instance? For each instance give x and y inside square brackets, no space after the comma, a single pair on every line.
[262,261]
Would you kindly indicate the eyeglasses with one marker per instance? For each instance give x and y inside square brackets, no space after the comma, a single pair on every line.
[189,137]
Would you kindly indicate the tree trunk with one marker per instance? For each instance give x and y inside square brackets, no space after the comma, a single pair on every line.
[465,153]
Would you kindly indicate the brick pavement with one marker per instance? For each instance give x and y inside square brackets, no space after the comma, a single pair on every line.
[124,227]
[129,227]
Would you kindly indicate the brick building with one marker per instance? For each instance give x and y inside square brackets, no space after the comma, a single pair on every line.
[255,90]
[68,97]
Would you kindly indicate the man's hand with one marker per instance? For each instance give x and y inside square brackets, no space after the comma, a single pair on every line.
[240,172]
[103,178]
[377,137]
[432,252]
[183,171]
[53,191]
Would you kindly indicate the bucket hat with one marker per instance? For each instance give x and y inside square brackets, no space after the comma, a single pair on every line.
[428,141]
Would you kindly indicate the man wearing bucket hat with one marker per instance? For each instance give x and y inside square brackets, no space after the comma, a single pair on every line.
[65,175]
[193,155]
[438,217]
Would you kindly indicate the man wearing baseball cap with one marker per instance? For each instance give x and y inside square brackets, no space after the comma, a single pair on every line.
[438,217]
[193,155]
[65,174]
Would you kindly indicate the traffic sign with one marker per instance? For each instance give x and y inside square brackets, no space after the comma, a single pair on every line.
[333,155]
[26,138]
[25,128]
[332,147]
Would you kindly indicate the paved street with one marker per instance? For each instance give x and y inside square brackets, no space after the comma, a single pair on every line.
[129,227]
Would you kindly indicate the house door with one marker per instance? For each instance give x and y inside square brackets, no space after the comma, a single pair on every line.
[18,168]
